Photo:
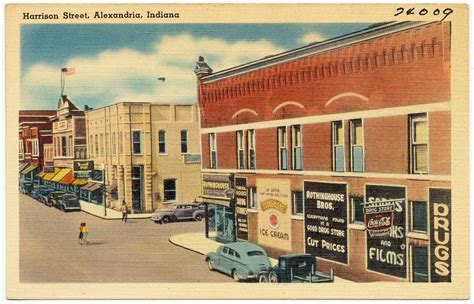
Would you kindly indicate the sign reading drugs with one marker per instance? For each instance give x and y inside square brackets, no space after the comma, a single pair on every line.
[274,216]
[384,213]
[241,208]
[326,220]
[440,234]
[215,185]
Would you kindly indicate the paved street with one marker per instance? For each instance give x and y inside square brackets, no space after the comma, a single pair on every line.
[138,251]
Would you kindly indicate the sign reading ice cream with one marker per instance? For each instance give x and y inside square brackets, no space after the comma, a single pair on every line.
[274,216]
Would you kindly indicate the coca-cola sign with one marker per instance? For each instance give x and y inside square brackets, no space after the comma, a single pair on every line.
[377,222]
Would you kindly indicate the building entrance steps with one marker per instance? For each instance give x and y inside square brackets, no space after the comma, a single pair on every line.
[98,210]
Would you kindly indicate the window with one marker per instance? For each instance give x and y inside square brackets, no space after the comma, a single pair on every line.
[419,212]
[338,146]
[251,156]
[70,146]
[63,146]
[101,144]
[240,150]
[20,148]
[297,148]
[184,141]
[357,145]
[282,149]
[419,143]
[137,142]
[419,257]
[297,198]
[357,210]
[120,143]
[114,147]
[252,193]
[96,146]
[137,185]
[169,186]
[34,147]
[91,148]
[213,150]
[161,141]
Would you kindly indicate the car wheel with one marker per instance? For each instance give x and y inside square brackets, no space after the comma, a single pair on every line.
[198,218]
[272,277]
[165,220]
[235,276]
[210,265]
[262,278]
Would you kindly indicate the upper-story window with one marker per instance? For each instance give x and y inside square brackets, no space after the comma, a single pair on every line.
[114,144]
[419,216]
[63,146]
[251,156]
[20,149]
[184,141]
[240,150]
[34,147]
[137,142]
[162,141]
[338,146]
[282,149]
[101,144]
[297,148]
[96,145]
[70,146]
[357,145]
[213,150]
[419,143]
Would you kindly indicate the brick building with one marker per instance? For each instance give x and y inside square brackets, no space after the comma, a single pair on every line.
[340,149]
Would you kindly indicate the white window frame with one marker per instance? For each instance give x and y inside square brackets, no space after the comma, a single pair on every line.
[334,146]
[282,139]
[175,190]
[186,142]
[240,149]
[213,150]
[412,216]
[419,117]
[353,208]
[352,134]
[250,134]
[295,145]
[293,203]
[21,149]
[34,147]
[162,142]
[133,143]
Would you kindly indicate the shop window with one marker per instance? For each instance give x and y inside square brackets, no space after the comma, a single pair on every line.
[338,146]
[162,141]
[240,150]
[419,143]
[137,142]
[419,212]
[297,148]
[213,150]
[357,145]
[282,149]
[63,146]
[251,156]
[184,142]
[169,186]
[252,193]
[357,210]
[419,257]
[297,199]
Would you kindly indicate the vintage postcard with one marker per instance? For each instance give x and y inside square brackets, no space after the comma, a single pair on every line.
[230,151]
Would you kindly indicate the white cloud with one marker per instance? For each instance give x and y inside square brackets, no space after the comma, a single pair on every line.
[130,75]
[311,37]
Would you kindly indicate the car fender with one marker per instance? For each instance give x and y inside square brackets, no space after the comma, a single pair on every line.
[201,212]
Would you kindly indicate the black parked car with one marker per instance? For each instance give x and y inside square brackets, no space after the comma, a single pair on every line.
[69,202]
[26,187]
[54,198]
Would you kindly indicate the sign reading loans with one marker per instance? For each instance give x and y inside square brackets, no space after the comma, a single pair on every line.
[440,234]
[326,220]
[241,208]
[386,241]
[274,222]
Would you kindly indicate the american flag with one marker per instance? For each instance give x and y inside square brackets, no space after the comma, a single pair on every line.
[68,71]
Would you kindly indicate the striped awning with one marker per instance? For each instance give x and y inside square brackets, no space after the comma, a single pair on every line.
[68,179]
[79,181]
[60,175]
[23,166]
[49,176]
[29,169]
[41,174]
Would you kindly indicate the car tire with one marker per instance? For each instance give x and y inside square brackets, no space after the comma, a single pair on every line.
[235,275]
[165,220]
[263,278]
[272,277]
[210,265]
[198,218]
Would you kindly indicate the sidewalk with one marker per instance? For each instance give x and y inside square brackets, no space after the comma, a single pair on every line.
[198,242]
[98,210]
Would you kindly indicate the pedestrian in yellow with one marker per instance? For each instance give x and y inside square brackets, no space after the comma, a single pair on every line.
[80,234]
[85,234]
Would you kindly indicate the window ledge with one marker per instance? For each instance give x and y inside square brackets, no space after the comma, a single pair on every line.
[297,217]
[162,154]
[357,226]
[417,235]
[252,210]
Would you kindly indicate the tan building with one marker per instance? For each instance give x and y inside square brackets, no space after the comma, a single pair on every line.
[150,153]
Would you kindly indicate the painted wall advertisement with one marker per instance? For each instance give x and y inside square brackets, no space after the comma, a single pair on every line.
[241,208]
[274,217]
[384,213]
[440,234]
[326,220]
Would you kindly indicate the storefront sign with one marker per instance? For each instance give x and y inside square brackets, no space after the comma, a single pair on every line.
[326,220]
[60,125]
[386,239]
[215,185]
[274,216]
[83,165]
[241,208]
[440,234]
[192,158]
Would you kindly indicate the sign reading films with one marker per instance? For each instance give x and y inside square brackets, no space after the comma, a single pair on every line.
[326,220]
[384,213]
[440,234]
[241,208]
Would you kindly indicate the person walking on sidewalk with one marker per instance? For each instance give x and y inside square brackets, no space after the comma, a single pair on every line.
[124,212]
[80,234]
[84,234]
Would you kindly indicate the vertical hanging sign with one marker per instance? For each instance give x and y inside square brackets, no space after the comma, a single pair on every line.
[241,208]
[440,234]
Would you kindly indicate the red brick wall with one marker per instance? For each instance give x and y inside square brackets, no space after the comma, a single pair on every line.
[266,148]
[226,150]
[205,150]
[317,147]
[439,142]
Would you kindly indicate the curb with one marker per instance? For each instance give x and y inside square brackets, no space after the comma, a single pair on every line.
[187,248]
[118,218]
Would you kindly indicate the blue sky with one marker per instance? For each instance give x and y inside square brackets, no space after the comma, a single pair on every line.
[120,62]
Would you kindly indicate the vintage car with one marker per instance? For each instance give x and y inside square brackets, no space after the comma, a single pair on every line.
[241,260]
[41,193]
[297,268]
[182,211]
[54,198]
[68,202]
[26,187]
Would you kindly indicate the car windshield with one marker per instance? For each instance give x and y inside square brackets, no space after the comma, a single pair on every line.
[69,197]
[255,253]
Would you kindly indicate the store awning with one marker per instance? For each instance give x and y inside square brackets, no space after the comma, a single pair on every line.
[29,169]
[59,176]
[68,179]
[91,186]
[208,200]
[23,166]
[79,181]
[41,174]
[49,176]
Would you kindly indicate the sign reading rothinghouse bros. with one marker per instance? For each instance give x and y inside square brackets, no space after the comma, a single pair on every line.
[440,234]
[215,185]
[384,212]
[274,216]
[326,220]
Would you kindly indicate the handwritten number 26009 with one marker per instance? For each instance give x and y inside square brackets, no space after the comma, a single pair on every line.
[412,11]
